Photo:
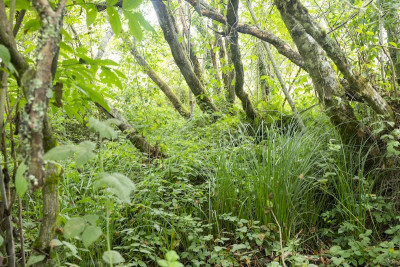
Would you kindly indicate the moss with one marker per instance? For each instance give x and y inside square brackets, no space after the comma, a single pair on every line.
[53,174]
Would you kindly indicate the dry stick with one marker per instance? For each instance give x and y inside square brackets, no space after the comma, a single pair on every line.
[8,223]
[278,73]
[280,237]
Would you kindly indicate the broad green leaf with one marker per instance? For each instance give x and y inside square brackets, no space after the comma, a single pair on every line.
[113,18]
[84,153]
[60,152]
[105,128]
[91,218]
[22,4]
[112,2]
[35,259]
[171,256]
[21,185]
[145,24]
[32,25]
[134,26]
[117,184]
[113,257]
[71,247]
[90,235]
[91,13]
[94,96]
[131,4]
[4,54]
[105,62]
[74,227]
[1,240]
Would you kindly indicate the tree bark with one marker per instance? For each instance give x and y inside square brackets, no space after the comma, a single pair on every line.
[181,59]
[182,110]
[267,36]
[263,71]
[330,93]
[355,80]
[232,21]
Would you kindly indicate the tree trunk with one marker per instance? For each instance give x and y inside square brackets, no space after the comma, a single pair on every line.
[131,134]
[181,59]
[267,36]
[263,72]
[232,21]
[182,110]
[330,93]
[230,75]
[278,74]
[356,82]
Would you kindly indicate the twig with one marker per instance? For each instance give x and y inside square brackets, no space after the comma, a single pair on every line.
[280,237]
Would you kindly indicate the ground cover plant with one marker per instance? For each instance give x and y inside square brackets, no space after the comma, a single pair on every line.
[193,133]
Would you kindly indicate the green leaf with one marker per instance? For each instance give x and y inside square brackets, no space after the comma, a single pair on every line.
[21,184]
[134,26]
[22,4]
[35,259]
[4,54]
[32,25]
[84,153]
[1,240]
[94,96]
[60,152]
[131,4]
[112,2]
[171,256]
[71,247]
[112,257]
[113,18]
[117,184]
[104,128]
[74,227]
[90,235]
[91,218]
[145,24]
[91,13]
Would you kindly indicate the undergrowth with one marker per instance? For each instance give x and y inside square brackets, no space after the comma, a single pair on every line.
[231,194]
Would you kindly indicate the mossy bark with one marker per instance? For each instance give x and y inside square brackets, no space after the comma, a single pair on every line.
[357,83]
[232,21]
[181,58]
[330,92]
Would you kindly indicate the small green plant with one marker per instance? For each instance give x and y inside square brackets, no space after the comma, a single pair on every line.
[171,260]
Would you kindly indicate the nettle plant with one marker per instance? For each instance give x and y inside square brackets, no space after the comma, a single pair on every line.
[85,228]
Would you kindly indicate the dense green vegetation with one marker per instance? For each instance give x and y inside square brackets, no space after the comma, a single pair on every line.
[192,133]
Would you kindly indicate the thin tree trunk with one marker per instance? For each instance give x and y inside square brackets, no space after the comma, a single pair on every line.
[181,59]
[355,80]
[232,21]
[278,74]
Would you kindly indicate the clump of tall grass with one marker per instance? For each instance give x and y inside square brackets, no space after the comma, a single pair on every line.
[287,178]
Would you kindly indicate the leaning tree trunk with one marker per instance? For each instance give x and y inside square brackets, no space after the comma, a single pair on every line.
[232,21]
[278,74]
[181,58]
[263,71]
[357,83]
[330,93]
[182,110]
[230,76]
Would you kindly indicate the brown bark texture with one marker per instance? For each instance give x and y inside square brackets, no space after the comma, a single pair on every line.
[232,21]
[181,59]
